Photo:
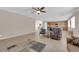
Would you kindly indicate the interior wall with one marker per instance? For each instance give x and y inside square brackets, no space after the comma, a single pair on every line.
[44,24]
[76,30]
[15,24]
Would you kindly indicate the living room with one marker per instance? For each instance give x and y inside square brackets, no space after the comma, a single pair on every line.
[20,29]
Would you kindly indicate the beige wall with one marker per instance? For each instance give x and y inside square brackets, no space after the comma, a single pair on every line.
[12,24]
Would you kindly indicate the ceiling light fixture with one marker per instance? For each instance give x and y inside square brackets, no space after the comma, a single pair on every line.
[39,10]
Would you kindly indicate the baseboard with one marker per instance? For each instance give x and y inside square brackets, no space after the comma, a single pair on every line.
[17,35]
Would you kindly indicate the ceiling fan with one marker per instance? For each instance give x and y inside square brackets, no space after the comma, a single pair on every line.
[38,10]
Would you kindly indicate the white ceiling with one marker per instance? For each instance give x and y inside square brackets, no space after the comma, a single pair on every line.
[52,13]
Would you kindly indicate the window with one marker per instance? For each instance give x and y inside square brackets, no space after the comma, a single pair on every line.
[71,23]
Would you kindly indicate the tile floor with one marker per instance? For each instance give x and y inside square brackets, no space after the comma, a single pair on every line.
[54,45]
[21,41]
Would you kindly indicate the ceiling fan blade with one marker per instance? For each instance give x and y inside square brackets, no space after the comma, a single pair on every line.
[34,8]
[43,11]
[38,8]
[42,8]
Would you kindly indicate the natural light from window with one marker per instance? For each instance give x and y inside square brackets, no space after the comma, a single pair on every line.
[71,23]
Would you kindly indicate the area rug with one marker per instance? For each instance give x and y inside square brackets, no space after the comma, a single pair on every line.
[37,46]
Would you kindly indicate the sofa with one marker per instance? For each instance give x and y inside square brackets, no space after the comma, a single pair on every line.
[56,33]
